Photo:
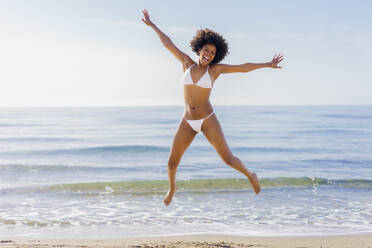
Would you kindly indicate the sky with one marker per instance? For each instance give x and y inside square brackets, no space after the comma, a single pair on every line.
[99,53]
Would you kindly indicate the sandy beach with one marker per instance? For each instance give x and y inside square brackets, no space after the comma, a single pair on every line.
[225,241]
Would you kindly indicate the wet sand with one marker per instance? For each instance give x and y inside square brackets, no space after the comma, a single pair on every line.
[183,241]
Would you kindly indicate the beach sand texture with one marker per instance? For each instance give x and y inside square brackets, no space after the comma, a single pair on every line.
[218,241]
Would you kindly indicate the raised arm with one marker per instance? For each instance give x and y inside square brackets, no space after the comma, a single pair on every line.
[223,68]
[166,41]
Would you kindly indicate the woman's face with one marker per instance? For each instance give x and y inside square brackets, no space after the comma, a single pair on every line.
[207,53]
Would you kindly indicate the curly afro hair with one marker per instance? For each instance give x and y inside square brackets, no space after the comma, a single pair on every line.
[208,36]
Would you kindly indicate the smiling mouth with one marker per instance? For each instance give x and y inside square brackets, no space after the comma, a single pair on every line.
[205,59]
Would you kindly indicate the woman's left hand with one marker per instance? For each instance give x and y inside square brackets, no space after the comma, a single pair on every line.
[276,60]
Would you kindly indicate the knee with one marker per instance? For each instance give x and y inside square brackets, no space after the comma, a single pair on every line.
[172,163]
[229,159]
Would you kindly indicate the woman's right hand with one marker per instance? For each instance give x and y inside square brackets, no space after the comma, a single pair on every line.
[146,18]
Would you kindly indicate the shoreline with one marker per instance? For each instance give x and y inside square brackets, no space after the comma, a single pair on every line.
[199,240]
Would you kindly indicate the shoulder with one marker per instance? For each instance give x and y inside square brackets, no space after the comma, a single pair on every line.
[216,69]
[188,62]
[226,68]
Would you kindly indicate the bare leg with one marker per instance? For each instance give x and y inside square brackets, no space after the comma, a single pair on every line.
[181,141]
[213,132]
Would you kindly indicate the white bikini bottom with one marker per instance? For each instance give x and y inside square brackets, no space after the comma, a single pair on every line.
[197,124]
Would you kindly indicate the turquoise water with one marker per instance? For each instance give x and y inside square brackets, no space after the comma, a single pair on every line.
[101,172]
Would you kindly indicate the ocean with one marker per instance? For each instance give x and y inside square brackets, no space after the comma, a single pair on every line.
[101,172]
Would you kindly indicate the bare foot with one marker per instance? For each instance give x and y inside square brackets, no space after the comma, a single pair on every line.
[255,184]
[168,197]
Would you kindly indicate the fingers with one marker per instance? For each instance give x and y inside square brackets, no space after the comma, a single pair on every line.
[278,58]
[146,17]
[276,67]
[146,13]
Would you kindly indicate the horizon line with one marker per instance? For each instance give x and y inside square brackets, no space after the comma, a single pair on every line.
[178,105]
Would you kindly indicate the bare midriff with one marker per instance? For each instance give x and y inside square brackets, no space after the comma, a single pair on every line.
[197,105]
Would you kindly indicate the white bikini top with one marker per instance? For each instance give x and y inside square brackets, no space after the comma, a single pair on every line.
[204,82]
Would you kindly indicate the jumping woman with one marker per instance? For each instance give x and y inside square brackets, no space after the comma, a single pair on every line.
[198,81]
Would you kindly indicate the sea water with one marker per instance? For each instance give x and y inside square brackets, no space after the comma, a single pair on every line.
[102,172]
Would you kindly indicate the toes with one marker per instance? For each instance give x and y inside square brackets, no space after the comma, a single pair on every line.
[167,199]
[256,184]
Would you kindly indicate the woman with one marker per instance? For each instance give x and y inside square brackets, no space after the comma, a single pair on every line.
[198,81]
